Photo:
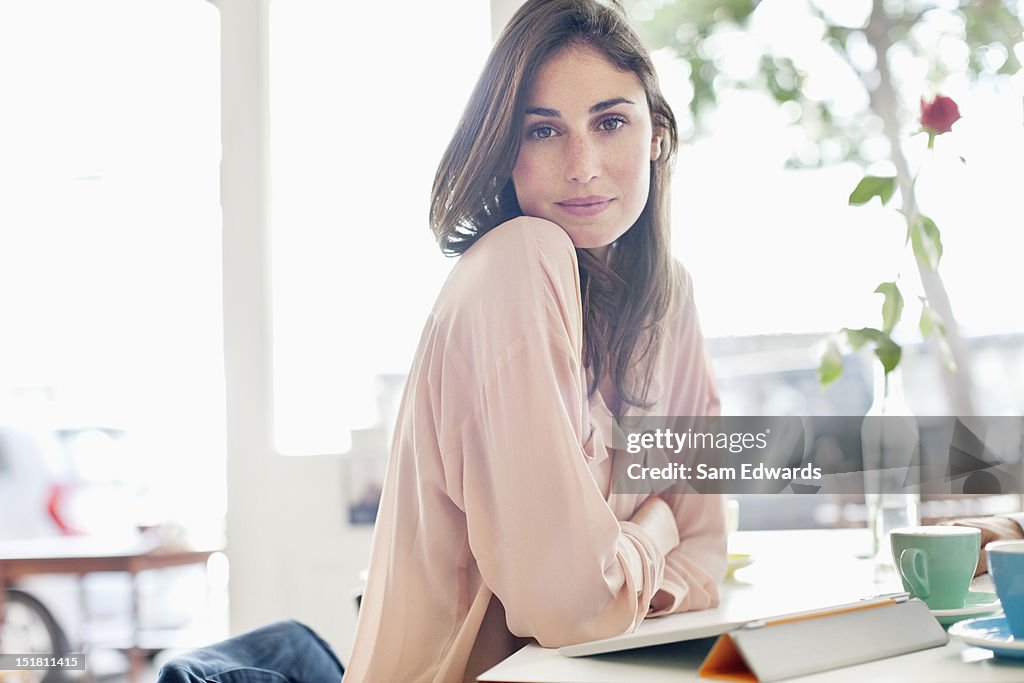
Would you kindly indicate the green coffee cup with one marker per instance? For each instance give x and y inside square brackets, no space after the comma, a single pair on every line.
[936,563]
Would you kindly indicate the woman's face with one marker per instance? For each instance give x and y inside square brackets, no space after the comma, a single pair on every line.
[587,144]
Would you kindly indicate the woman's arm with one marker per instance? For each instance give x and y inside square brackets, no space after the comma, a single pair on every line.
[546,542]
[695,567]
[658,520]
[544,538]
[998,528]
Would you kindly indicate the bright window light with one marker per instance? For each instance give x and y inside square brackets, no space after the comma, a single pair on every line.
[362,106]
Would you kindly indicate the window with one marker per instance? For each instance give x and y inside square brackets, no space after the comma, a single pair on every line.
[110,242]
[364,98]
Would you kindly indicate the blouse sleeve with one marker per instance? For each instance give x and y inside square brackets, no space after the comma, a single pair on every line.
[695,567]
[545,540]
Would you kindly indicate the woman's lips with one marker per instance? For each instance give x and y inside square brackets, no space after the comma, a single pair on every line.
[585,206]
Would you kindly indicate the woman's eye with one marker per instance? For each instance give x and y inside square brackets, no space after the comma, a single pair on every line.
[612,123]
[542,132]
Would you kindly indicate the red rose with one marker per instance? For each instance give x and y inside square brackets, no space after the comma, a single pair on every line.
[939,115]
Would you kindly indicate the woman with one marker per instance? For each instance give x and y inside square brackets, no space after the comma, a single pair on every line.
[497,524]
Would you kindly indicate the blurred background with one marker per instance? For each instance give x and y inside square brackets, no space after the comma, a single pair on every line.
[215,260]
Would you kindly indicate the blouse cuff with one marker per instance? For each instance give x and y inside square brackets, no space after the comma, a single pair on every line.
[653,565]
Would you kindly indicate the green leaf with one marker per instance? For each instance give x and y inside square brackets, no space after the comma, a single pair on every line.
[927,241]
[859,338]
[886,349]
[831,364]
[889,353]
[892,307]
[930,321]
[927,322]
[872,186]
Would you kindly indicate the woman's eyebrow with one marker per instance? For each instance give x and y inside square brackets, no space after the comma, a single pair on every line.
[599,107]
[608,104]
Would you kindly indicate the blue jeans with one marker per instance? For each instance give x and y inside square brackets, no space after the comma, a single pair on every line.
[283,652]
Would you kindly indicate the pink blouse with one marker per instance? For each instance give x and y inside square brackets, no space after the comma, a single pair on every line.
[496,523]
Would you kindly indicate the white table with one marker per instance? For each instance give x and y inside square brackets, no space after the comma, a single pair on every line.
[811,567]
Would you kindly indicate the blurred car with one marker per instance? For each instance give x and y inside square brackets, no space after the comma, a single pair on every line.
[67,482]
[34,484]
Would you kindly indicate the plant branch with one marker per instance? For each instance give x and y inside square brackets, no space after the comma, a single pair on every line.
[885,103]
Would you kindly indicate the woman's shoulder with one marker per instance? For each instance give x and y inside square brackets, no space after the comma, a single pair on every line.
[683,282]
[511,275]
[523,236]
[684,377]
[522,254]
[682,306]
[682,319]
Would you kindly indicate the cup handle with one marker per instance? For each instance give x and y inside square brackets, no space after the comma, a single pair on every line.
[918,579]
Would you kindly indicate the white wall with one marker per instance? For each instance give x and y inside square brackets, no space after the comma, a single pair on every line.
[292,553]
[501,12]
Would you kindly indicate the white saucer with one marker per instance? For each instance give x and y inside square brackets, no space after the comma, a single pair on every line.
[992,633]
[977,604]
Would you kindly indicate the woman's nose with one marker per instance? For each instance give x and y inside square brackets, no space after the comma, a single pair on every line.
[582,159]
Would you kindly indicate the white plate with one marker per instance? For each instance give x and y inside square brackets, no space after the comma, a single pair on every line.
[977,604]
[992,633]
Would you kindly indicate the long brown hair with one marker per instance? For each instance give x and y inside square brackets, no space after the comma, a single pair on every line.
[626,301]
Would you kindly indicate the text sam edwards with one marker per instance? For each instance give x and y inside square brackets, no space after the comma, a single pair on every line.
[702,471]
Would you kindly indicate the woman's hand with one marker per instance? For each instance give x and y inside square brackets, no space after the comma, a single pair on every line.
[992,529]
[656,518]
